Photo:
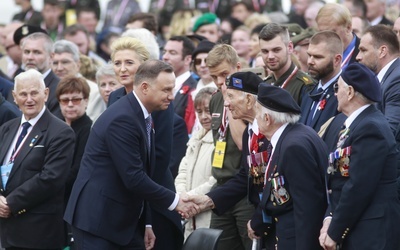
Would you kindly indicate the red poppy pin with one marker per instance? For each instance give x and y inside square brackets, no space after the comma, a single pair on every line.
[184,90]
[322,104]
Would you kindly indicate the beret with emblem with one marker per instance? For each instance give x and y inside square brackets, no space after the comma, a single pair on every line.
[304,37]
[24,31]
[244,81]
[277,99]
[294,29]
[363,80]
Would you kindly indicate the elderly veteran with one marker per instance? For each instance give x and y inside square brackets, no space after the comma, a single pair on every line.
[364,210]
[294,197]
[300,46]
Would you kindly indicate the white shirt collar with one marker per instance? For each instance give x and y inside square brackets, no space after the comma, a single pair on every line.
[45,74]
[35,119]
[327,84]
[354,115]
[145,112]
[383,71]
[275,137]
[376,21]
[180,80]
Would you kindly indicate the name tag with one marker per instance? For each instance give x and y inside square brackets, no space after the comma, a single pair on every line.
[219,154]
[5,173]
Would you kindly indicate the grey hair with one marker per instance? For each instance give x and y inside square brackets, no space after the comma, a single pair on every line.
[147,38]
[29,75]
[64,46]
[47,45]
[280,117]
[105,70]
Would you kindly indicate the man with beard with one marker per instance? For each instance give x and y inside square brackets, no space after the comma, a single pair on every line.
[324,60]
[276,49]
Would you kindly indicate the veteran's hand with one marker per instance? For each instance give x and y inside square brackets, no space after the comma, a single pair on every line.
[5,211]
[329,244]
[186,208]
[203,201]
[324,232]
[250,232]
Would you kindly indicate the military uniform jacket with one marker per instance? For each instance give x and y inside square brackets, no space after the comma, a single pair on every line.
[297,86]
[298,163]
[364,205]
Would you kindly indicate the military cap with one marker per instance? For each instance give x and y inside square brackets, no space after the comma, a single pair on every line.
[206,18]
[304,37]
[277,99]
[204,46]
[24,31]
[294,29]
[363,80]
[244,81]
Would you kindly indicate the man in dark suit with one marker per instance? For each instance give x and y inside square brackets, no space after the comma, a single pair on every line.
[376,12]
[36,54]
[36,155]
[178,52]
[362,170]
[386,67]
[324,60]
[341,23]
[108,207]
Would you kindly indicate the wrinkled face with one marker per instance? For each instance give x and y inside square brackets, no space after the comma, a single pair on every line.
[241,42]
[235,101]
[367,54]
[160,92]
[126,62]
[254,44]
[107,84]
[209,31]
[173,55]
[203,113]
[320,61]
[88,20]
[30,96]
[201,67]
[34,56]
[221,72]
[275,53]
[342,95]
[72,105]
[63,65]
[81,40]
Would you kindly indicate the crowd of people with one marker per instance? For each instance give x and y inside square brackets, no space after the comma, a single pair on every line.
[281,130]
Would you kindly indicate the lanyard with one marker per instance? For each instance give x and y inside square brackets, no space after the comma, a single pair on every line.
[224,125]
[347,59]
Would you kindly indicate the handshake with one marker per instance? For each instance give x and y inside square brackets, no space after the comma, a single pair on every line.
[191,205]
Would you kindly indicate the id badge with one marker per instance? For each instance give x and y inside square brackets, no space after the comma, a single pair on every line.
[5,173]
[219,154]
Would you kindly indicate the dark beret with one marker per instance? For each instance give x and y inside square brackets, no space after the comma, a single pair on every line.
[277,99]
[206,18]
[363,80]
[24,31]
[204,46]
[244,81]
[304,35]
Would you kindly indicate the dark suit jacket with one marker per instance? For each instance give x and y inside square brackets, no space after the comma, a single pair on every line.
[6,88]
[178,144]
[356,50]
[300,157]
[35,188]
[390,104]
[321,115]
[52,104]
[183,103]
[8,111]
[386,21]
[365,204]
[113,181]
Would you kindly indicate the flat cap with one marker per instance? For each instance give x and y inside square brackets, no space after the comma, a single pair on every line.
[304,37]
[24,31]
[277,99]
[206,18]
[363,80]
[244,81]
[293,28]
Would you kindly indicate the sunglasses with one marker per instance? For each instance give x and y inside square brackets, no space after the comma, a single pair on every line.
[198,61]
[75,101]
[336,87]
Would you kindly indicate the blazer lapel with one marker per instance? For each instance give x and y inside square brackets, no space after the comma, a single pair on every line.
[11,131]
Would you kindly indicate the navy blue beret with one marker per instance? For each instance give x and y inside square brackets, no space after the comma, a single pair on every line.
[244,81]
[277,99]
[363,80]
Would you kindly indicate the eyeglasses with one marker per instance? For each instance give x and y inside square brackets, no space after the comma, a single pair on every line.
[75,101]
[336,87]
[198,61]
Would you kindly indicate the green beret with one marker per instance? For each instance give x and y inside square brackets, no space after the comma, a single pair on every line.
[293,28]
[305,34]
[206,18]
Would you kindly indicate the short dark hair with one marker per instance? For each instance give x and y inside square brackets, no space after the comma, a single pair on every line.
[73,84]
[332,40]
[150,69]
[246,3]
[86,9]
[203,94]
[272,30]
[384,35]
[75,28]
[257,29]
[149,21]
[188,46]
